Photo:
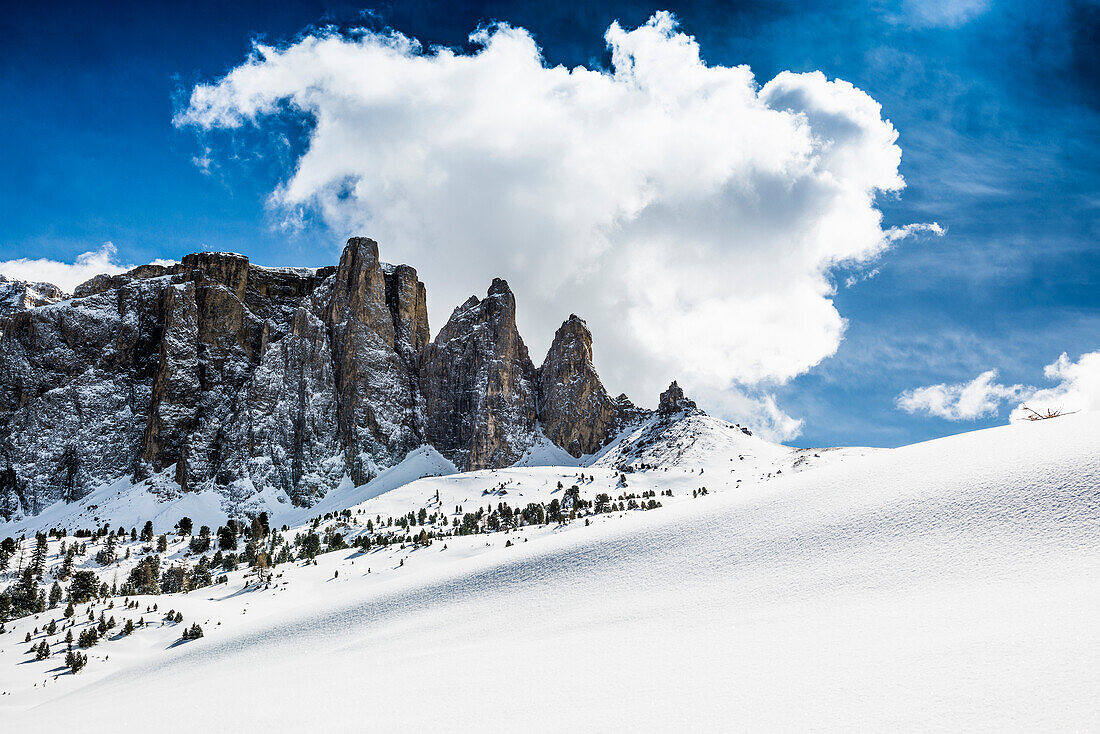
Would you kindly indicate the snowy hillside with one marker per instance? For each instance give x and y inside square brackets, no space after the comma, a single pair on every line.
[693,439]
[950,585]
[678,443]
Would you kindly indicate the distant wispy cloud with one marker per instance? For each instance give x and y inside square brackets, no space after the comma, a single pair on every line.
[939,13]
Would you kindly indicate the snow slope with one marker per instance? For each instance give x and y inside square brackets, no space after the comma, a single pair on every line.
[160,501]
[951,585]
[680,444]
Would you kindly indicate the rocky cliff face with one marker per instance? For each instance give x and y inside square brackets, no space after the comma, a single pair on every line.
[19,295]
[575,410]
[480,387]
[216,373]
[239,377]
[379,413]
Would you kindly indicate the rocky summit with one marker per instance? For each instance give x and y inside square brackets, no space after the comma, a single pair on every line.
[569,387]
[218,374]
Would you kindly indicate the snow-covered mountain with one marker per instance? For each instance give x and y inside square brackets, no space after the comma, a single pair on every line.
[949,585]
[677,441]
[214,375]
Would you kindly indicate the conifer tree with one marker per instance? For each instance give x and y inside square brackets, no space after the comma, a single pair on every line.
[24,594]
[227,537]
[75,661]
[83,586]
[38,561]
[109,553]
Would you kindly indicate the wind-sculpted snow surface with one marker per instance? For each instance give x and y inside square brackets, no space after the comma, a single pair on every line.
[950,585]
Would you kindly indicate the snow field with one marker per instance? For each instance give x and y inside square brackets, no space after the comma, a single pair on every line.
[951,585]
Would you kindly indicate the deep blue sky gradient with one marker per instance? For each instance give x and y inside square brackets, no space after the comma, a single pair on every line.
[999,117]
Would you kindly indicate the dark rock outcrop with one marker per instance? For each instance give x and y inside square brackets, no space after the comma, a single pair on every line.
[673,400]
[479,384]
[575,410]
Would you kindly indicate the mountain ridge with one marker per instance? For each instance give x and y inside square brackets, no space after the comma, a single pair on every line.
[242,378]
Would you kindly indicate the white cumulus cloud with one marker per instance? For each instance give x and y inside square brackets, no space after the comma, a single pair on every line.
[65,276]
[692,216]
[1077,388]
[979,398]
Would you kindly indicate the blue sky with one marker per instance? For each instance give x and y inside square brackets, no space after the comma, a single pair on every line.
[997,106]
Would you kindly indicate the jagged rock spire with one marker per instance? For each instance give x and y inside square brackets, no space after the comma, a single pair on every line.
[479,384]
[377,395]
[240,376]
[575,410]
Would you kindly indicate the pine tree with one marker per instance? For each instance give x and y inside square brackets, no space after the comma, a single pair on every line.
[147,531]
[83,586]
[109,553]
[24,594]
[88,637]
[227,537]
[38,561]
[43,651]
[74,661]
